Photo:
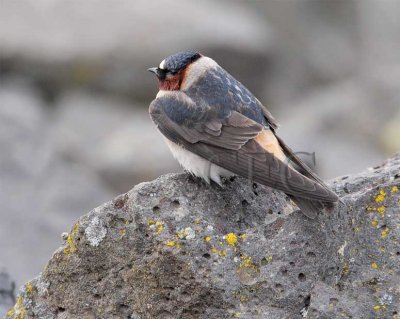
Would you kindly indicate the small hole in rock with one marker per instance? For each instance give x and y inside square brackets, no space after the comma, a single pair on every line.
[302,277]
[207,256]
[398,253]
[175,203]
[60,309]
[156,209]
[123,307]
[307,301]
[245,203]
[311,254]
[279,287]
[292,263]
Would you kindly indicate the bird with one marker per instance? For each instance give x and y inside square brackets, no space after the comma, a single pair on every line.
[216,128]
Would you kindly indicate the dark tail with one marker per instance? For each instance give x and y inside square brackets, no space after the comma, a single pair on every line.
[310,208]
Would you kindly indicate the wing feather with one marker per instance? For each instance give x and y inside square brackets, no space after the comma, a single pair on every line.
[232,145]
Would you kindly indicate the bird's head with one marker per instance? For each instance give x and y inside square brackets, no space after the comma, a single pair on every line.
[172,70]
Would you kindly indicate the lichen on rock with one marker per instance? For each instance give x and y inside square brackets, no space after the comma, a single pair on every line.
[179,248]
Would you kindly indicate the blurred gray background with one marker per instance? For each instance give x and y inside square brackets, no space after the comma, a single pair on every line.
[74,128]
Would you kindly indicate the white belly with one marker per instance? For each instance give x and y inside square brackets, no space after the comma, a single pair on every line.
[197,165]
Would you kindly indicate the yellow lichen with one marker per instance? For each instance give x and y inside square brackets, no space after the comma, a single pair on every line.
[243,236]
[394,189]
[384,232]
[207,238]
[29,288]
[246,262]
[170,243]
[71,245]
[377,307]
[222,253]
[231,239]
[380,197]
[214,250]
[268,259]
[380,209]
[18,311]
[374,265]
[187,233]
[122,232]
[160,228]
[345,269]
[374,223]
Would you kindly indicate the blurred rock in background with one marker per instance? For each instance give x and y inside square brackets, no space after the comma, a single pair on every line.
[7,292]
[74,129]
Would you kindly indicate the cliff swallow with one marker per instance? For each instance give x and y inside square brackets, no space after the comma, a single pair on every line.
[215,128]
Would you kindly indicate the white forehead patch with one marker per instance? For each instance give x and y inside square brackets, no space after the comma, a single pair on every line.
[162,65]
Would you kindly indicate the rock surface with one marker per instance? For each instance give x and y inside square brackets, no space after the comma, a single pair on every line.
[7,298]
[179,248]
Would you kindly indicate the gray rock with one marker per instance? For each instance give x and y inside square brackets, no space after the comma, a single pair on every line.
[179,248]
[110,47]
[41,192]
[116,139]
[7,297]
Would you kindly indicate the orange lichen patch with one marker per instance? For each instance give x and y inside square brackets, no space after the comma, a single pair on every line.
[384,232]
[231,239]
[374,265]
[71,244]
[394,189]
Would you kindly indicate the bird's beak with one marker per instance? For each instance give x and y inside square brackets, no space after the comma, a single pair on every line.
[153,70]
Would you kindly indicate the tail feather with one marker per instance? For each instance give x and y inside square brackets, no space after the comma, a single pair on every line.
[310,208]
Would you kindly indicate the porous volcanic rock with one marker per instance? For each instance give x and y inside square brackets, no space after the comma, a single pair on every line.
[179,248]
